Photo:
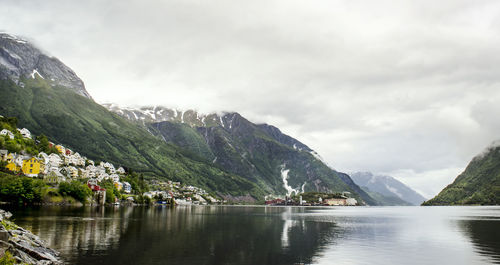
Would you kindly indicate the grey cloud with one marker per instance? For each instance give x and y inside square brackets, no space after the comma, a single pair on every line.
[388,86]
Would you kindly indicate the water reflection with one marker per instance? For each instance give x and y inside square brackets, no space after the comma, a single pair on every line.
[269,235]
[184,235]
[405,235]
[484,235]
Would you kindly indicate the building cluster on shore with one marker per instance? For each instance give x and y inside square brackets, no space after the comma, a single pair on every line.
[342,199]
[179,194]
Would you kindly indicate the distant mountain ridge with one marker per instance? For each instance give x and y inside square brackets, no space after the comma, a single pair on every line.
[479,184]
[388,187]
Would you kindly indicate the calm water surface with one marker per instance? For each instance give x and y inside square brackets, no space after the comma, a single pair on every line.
[268,235]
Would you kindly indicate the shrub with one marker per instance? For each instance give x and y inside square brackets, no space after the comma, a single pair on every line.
[20,189]
[75,189]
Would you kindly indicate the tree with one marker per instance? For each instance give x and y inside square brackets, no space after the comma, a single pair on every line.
[75,189]
[12,146]
[43,143]
[20,189]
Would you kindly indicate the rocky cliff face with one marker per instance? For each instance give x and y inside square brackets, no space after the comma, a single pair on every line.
[19,58]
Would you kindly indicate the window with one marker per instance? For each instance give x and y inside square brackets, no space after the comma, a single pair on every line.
[31,170]
[31,165]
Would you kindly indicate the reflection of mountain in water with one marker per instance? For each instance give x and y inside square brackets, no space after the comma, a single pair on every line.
[183,235]
[484,234]
[216,235]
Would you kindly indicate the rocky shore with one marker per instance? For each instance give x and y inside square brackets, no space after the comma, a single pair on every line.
[20,246]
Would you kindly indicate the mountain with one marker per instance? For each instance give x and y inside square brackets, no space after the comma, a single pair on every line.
[261,153]
[388,190]
[19,58]
[223,153]
[478,184]
[56,104]
[383,200]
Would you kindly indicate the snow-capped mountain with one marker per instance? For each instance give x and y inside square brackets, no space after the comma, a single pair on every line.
[263,154]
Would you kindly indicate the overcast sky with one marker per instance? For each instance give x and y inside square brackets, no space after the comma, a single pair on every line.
[405,88]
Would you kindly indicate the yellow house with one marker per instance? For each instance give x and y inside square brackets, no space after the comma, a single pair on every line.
[11,162]
[13,167]
[118,185]
[60,149]
[31,167]
[335,201]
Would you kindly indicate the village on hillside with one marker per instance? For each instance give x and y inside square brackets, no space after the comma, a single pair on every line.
[22,154]
[62,164]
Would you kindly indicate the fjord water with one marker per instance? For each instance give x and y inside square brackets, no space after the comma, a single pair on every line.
[268,235]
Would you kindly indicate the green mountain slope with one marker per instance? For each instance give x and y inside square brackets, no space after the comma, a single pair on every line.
[260,153]
[80,123]
[478,184]
[223,153]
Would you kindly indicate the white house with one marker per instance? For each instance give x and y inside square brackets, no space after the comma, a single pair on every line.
[351,201]
[20,159]
[120,170]
[101,176]
[6,132]
[76,159]
[55,160]
[44,160]
[25,133]
[86,173]
[127,188]
[100,170]
[43,155]
[109,166]
[115,177]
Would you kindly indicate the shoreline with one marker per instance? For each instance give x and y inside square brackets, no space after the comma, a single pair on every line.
[18,245]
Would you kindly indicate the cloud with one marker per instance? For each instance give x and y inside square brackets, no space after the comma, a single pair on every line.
[386,86]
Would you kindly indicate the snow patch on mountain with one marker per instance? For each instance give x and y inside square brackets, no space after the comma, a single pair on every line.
[12,37]
[35,71]
[221,121]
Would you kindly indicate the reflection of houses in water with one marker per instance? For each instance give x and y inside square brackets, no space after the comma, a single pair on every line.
[99,229]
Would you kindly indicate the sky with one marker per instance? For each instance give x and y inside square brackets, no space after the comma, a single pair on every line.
[408,89]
